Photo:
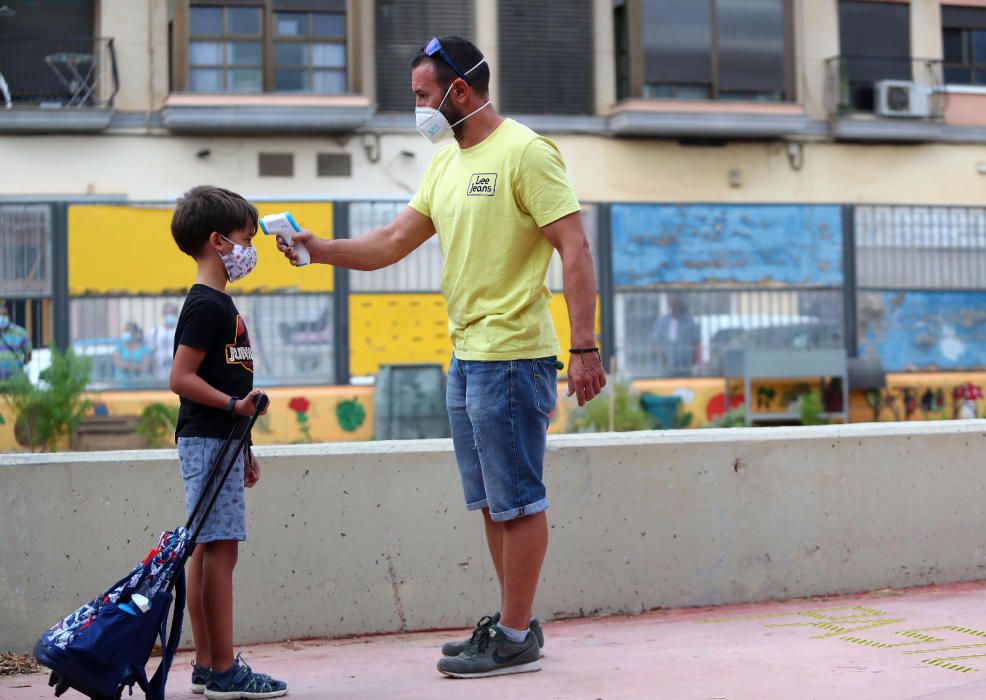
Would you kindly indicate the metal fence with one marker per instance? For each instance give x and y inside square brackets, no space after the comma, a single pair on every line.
[684,332]
[292,336]
[25,250]
[913,292]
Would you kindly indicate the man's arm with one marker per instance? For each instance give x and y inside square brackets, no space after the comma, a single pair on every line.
[586,376]
[370,251]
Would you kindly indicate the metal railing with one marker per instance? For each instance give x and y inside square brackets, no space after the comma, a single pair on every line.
[851,84]
[58,72]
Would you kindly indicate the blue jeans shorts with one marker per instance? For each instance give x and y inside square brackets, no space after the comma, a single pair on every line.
[499,412]
[227,521]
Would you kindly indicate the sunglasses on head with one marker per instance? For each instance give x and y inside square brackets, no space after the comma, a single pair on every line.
[434,46]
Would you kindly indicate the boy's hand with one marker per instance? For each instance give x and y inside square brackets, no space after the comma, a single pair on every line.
[251,474]
[304,236]
[244,407]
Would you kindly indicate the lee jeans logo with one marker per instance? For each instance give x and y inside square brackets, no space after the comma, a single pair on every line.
[482,185]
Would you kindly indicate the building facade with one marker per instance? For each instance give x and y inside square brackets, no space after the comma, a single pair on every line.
[777,174]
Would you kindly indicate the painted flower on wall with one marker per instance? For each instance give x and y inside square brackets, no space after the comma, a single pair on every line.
[300,406]
[350,415]
[966,396]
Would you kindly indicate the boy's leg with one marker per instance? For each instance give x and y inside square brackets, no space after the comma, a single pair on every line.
[218,562]
[200,635]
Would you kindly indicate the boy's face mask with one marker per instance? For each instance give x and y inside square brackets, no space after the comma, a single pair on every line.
[432,124]
[240,262]
[4,320]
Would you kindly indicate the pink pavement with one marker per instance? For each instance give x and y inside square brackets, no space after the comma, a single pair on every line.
[918,643]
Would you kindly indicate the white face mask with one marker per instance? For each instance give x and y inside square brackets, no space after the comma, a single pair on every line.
[4,321]
[239,262]
[432,124]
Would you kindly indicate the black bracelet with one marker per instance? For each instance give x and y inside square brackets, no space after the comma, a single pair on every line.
[582,351]
[231,406]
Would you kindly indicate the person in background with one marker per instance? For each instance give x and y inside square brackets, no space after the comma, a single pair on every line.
[161,339]
[15,346]
[132,361]
[678,339]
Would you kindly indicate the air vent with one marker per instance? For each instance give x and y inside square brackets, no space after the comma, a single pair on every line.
[276,165]
[334,165]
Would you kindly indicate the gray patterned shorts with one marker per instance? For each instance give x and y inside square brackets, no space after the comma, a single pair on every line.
[227,521]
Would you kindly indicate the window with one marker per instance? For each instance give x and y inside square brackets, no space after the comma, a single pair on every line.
[708,49]
[964,42]
[546,56]
[290,46]
[875,44]
[401,29]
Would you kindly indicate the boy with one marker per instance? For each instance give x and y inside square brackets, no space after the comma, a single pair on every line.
[212,372]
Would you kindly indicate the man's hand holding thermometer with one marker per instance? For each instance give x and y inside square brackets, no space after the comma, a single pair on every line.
[287,231]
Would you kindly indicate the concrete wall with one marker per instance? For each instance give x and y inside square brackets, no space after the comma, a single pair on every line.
[348,538]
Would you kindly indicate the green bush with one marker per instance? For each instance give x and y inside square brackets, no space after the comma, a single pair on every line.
[594,416]
[735,418]
[811,409]
[49,412]
[157,424]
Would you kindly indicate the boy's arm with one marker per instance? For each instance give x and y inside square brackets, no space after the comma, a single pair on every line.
[370,251]
[186,382]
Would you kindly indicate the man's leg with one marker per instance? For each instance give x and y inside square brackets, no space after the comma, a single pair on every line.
[525,541]
[494,540]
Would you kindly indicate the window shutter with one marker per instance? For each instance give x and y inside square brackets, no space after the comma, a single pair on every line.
[546,51]
[404,26]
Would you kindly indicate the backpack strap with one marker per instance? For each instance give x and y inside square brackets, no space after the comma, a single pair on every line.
[154,689]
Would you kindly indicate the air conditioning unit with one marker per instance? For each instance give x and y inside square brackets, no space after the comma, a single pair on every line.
[902,98]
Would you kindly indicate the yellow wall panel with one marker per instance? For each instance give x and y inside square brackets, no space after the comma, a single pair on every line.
[119,248]
[559,313]
[397,328]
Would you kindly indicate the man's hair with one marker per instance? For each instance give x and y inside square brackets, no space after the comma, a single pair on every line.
[205,209]
[465,55]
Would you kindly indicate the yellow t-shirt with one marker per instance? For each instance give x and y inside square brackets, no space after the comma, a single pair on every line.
[488,204]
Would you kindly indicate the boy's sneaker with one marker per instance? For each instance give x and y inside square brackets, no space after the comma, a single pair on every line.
[457,647]
[200,676]
[493,655]
[241,683]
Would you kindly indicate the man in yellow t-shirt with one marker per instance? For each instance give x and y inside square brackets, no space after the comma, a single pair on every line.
[501,203]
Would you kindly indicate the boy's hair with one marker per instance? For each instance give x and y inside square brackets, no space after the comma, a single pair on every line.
[465,55]
[205,209]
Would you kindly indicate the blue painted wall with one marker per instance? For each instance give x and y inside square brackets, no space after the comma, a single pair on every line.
[924,330]
[657,244]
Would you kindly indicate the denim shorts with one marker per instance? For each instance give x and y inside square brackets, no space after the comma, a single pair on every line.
[499,412]
[227,521]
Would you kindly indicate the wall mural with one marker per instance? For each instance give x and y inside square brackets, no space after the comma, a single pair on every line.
[656,244]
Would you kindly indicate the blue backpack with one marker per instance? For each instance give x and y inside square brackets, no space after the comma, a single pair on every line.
[103,647]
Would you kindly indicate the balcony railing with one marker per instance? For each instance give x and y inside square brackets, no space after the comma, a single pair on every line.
[58,72]
[887,87]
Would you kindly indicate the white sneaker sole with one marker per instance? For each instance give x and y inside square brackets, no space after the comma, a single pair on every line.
[522,668]
[197,688]
[240,695]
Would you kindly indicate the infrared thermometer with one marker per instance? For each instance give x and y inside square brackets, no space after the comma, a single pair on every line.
[285,226]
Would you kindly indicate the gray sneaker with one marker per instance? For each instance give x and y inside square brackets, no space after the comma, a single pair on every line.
[200,676]
[493,655]
[457,647]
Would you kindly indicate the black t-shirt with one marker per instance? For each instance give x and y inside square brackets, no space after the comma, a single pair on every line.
[209,321]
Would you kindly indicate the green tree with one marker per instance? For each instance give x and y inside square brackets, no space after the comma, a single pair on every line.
[50,411]
[157,424]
